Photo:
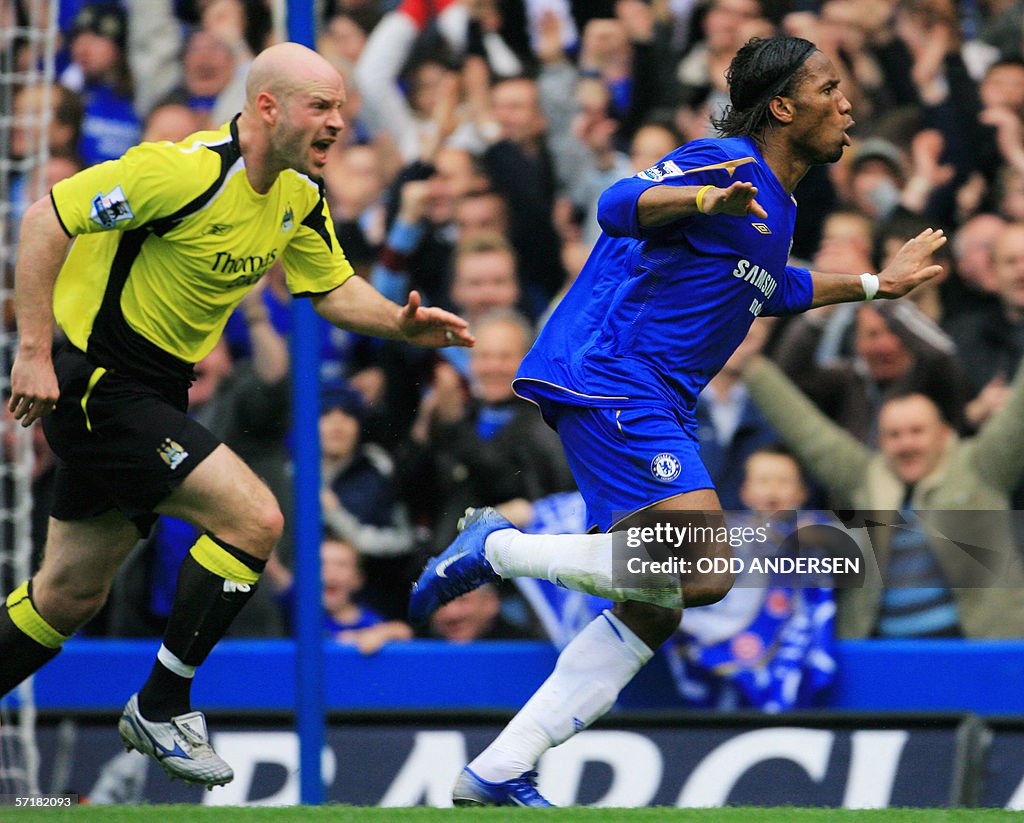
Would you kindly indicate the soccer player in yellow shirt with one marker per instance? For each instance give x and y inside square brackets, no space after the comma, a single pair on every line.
[168,239]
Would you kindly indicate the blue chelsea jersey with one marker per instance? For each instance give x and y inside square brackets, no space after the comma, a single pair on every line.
[656,312]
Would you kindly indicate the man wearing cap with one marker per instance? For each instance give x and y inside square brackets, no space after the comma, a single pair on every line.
[359,502]
[876,178]
[693,249]
[100,73]
[168,240]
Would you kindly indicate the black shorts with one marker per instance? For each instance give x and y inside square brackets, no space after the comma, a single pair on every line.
[120,443]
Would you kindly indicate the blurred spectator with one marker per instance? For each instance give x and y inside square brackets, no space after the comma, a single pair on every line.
[897,350]
[650,144]
[155,41]
[1001,25]
[485,277]
[418,251]
[173,122]
[64,121]
[594,129]
[930,298]
[730,428]
[355,184]
[498,33]
[620,53]
[930,587]
[1009,193]
[359,503]
[991,341]
[768,643]
[946,92]
[876,178]
[341,352]
[1001,132]
[343,36]
[209,70]
[475,616]
[727,25]
[346,618]
[99,72]
[481,213]
[64,132]
[975,279]
[410,117]
[521,168]
[846,246]
[341,40]
[482,449]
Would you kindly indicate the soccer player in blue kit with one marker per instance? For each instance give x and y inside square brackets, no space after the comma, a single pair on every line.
[693,250]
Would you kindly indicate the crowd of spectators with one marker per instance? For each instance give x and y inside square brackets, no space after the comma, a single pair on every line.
[479,135]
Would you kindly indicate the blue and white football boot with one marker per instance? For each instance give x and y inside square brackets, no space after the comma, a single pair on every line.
[472,790]
[460,568]
[181,746]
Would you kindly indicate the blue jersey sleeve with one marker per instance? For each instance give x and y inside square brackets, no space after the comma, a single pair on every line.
[794,294]
[694,164]
[616,208]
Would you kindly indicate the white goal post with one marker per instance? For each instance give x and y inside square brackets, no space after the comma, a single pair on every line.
[28,31]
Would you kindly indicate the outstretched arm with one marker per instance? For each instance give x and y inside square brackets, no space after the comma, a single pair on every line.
[905,272]
[661,205]
[633,204]
[357,306]
[41,253]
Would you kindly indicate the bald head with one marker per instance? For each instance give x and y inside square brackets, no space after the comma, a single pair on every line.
[292,113]
[1008,268]
[286,68]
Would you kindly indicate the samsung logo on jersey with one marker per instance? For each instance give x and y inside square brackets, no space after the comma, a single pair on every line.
[756,276]
[252,267]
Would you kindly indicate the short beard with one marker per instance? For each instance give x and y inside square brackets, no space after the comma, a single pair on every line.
[282,150]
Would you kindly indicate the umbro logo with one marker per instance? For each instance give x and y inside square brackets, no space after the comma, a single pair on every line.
[219,229]
[761,227]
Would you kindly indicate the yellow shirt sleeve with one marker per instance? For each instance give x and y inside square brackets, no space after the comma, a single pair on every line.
[150,181]
[313,261]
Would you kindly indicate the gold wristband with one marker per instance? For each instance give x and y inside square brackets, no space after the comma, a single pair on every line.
[700,197]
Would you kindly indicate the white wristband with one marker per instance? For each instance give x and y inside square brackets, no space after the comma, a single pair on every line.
[870,284]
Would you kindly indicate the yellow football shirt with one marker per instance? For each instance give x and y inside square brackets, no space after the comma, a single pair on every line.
[169,239]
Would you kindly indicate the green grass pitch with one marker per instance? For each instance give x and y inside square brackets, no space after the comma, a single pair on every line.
[355,814]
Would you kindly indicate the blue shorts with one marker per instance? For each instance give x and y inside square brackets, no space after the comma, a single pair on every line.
[629,459]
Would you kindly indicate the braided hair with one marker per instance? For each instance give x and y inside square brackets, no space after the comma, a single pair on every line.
[762,69]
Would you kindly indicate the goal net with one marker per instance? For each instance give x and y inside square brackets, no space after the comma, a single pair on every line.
[28,31]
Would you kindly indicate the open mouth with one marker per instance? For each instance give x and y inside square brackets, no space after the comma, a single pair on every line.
[846,132]
[320,148]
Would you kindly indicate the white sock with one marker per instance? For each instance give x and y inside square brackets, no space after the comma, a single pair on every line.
[582,562]
[590,673]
